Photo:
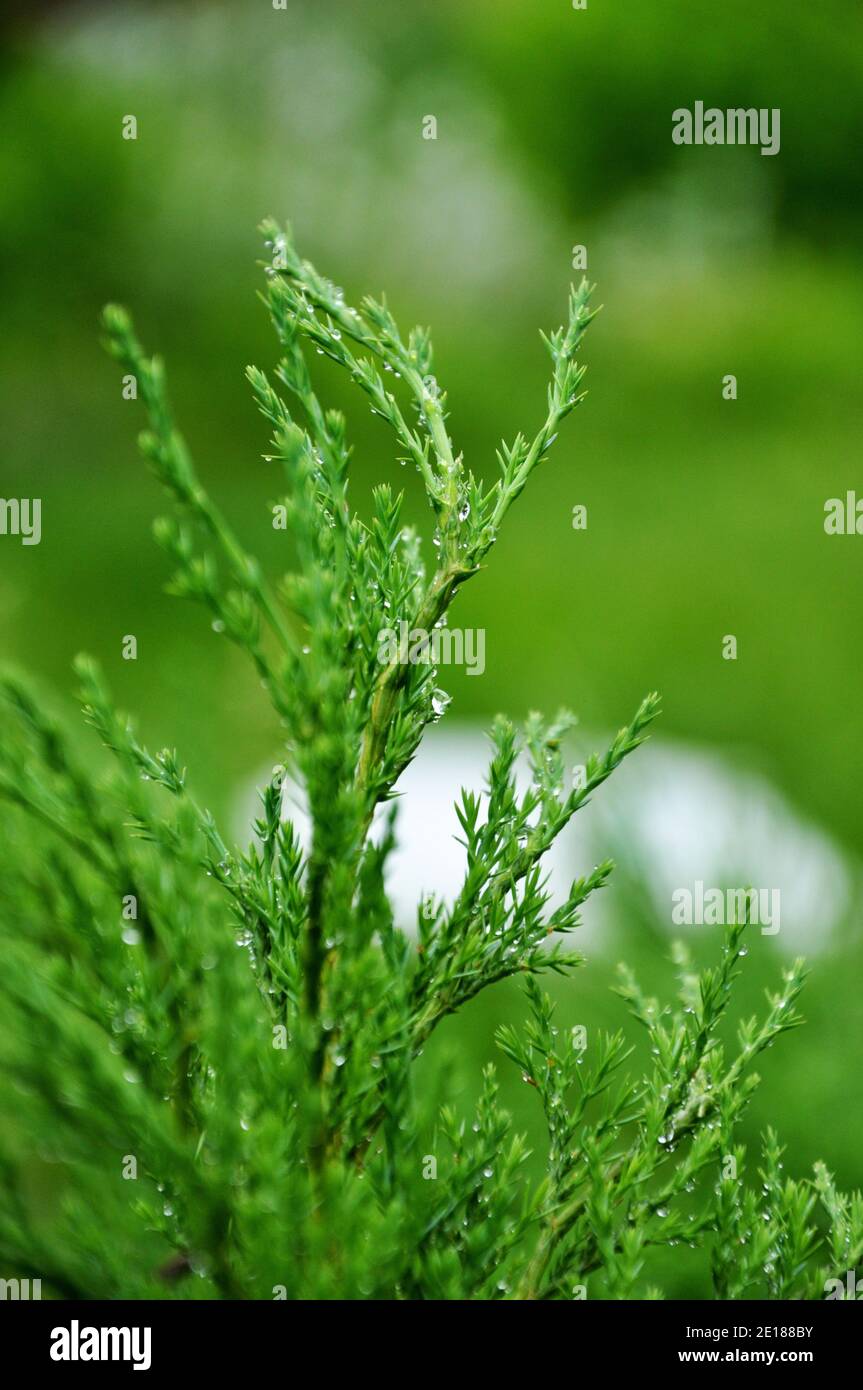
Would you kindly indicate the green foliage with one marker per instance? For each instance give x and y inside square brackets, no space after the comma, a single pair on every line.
[209,1078]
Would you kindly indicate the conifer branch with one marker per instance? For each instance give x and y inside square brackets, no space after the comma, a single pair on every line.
[217,1048]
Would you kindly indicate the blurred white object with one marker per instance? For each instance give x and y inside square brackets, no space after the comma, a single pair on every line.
[670,815]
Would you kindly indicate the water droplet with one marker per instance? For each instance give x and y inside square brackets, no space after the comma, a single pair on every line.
[131,936]
[440,700]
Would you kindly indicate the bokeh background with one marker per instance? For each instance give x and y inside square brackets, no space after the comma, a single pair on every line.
[705,517]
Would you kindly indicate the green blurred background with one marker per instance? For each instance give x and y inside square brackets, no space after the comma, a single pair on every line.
[705,516]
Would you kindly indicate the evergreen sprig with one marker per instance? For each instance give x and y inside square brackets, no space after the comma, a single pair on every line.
[215,1049]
